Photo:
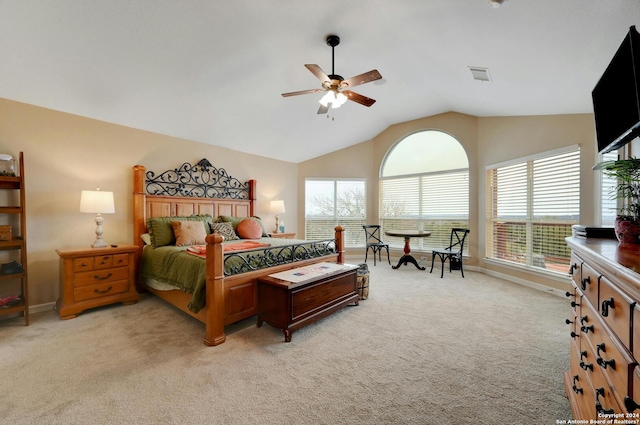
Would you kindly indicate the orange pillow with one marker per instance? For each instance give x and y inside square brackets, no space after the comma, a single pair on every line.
[189,232]
[249,229]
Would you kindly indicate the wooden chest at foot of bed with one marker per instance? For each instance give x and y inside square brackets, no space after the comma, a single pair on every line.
[291,305]
[95,277]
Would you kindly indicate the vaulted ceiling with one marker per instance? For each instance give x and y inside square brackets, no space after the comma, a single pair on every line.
[213,71]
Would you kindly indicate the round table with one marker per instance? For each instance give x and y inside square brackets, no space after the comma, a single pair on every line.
[407,235]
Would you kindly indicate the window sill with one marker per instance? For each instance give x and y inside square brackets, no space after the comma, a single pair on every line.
[557,276]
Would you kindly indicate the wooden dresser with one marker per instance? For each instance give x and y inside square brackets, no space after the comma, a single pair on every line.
[95,277]
[603,381]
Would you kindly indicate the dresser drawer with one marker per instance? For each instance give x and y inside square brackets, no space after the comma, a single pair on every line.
[580,386]
[612,359]
[101,276]
[616,310]
[603,396]
[100,290]
[589,283]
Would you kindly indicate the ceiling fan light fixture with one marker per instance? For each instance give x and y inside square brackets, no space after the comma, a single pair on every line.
[340,99]
[329,97]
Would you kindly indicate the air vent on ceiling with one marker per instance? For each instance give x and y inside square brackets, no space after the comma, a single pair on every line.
[480,74]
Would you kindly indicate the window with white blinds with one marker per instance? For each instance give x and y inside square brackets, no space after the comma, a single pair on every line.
[332,202]
[531,206]
[425,185]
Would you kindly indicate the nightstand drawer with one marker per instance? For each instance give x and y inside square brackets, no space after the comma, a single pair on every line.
[101,276]
[100,290]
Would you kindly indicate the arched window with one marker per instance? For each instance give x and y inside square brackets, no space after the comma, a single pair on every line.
[425,185]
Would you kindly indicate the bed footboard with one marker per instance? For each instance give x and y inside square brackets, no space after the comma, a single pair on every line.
[233,298]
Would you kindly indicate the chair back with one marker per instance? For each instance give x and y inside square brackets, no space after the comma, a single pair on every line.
[372,233]
[456,242]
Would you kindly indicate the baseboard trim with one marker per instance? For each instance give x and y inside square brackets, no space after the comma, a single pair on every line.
[39,308]
[558,292]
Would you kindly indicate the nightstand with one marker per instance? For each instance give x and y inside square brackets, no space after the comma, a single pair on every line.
[283,235]
[96,277]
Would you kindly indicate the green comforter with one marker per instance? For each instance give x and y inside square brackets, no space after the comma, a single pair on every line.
[187,272]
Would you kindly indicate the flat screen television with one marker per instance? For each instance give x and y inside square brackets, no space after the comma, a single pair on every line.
[616,97]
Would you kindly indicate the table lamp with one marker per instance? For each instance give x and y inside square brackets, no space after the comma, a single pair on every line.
[97,202]
[277,207]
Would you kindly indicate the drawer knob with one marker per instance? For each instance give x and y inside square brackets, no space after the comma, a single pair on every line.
[606,305]
[584,282]
[575,387]
[568,322]
[630,404]
[102,278]
[567,294]
[602,362]
[574,304]
[574,335]
[97,291]
[599,409]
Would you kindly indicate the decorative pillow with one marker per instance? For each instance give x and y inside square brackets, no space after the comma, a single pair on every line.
[189,232]
[146,238]
[249,229]
[236,220]
[224,229]
[161,232]
[264,230]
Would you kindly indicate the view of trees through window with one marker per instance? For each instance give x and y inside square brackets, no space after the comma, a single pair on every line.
[425,185]
[531,206]
[329,202]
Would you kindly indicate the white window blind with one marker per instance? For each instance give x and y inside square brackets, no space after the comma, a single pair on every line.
[332,202]
[531,206]
[435,202]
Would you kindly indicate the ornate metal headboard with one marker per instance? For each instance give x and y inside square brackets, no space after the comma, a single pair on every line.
[189,189]
[201,180]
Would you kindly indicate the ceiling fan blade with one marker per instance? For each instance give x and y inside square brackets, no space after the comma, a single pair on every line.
[358,98]
[323,109]
[318,72]
[363,78]
[296,93]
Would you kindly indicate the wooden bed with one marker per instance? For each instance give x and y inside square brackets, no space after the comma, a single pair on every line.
[204,189]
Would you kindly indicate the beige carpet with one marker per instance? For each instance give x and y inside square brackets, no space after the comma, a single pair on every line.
[420,350]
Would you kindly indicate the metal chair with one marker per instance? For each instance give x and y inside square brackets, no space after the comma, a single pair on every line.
[453,252]
[374,242]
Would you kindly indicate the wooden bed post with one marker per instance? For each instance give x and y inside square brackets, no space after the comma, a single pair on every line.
[215,305]
[340,243]
[252,197]
[139,216]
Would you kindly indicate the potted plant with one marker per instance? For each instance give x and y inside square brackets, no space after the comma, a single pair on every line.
[627,174]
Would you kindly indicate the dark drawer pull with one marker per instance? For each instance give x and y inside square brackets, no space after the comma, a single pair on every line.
[573,267]
[599,409]
[586,329]
[102,278]
[606,305]
[575,387]
[602,362]
[630,404]
[585,281]
[586,366]
[97,291]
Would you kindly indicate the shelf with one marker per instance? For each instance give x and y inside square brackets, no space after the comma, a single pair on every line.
[11,276]
[10,182]
[14,243]
[10,210]
[18,308]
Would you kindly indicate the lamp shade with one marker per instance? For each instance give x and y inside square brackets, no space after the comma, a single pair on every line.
[97,201]
[277,206]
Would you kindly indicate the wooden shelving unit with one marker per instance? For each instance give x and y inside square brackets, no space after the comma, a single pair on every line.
[17,244]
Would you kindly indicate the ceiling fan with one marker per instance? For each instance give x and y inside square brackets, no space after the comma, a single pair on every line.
[337,88]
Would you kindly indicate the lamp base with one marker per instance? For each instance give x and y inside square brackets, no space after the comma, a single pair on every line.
[99,243]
